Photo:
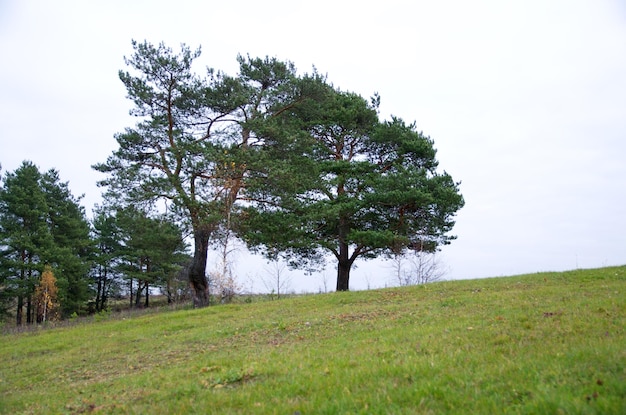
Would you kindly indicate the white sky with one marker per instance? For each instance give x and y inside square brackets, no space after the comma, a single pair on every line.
[525,100]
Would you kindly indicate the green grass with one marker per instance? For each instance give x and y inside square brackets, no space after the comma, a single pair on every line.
[537,344]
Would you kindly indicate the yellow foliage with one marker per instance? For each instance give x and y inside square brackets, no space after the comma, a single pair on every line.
[46,296]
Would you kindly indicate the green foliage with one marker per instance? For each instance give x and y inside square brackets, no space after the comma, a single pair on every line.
[136,250]
[152,249]
[73,247]
[106,275]
[26,240]
[293,165]
[194,138]
[170,153]
[41,222]
[360,188]
[542,343]
[102,315]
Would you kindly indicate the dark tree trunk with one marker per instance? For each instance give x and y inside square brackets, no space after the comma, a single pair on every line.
[343,267]
[147,302]
[103,300]
[103,295]
[20,310]
[344,263]
[29,310]
[197,270]
[140,285]
[130,288]
[343,275]
[138,294]
[146,284]
[168,292]
[99,294]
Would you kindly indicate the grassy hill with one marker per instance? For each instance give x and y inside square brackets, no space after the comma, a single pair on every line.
[537,344]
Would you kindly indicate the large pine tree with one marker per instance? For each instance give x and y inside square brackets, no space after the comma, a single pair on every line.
[362,188]
[194,138]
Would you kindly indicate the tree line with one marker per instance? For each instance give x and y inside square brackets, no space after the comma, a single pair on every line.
[288,163]
[54,262]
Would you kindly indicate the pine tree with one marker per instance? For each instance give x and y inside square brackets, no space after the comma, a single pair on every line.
[194,139]
[152,251]
[367,188]
[105,272]
[73,245]
[41,223]
[25,239]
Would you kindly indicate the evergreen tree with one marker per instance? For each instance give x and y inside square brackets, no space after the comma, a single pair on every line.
[153,250]
[26,242]
[363,188]
[192,143]
[318,171]
[105,273]
[73,245]
[41,223]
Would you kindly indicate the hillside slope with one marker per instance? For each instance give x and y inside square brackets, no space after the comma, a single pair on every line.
[541,343]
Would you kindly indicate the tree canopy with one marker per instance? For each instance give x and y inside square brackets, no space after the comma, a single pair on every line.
[151,251]
[290,163]
[41,223]
[192,144]
[370,188]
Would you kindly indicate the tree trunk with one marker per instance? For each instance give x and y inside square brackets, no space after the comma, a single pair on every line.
[130,288]
[99,293]
[343,275]
[138,294]
[343,261]
[168,292]
[147,302]
[20,310]
[29,310]
[343,267]
[105,297]
[102,288]
[197,270]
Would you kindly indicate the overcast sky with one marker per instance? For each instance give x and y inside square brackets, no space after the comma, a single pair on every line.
[525,101]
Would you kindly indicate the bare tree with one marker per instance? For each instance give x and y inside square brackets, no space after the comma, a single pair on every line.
[416,267]
[224,286]
[222,281]
[277,280]
[324,279]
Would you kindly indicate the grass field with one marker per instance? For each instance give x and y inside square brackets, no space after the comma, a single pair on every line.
[549,343]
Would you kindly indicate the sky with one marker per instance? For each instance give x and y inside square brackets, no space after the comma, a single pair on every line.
[525,102]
